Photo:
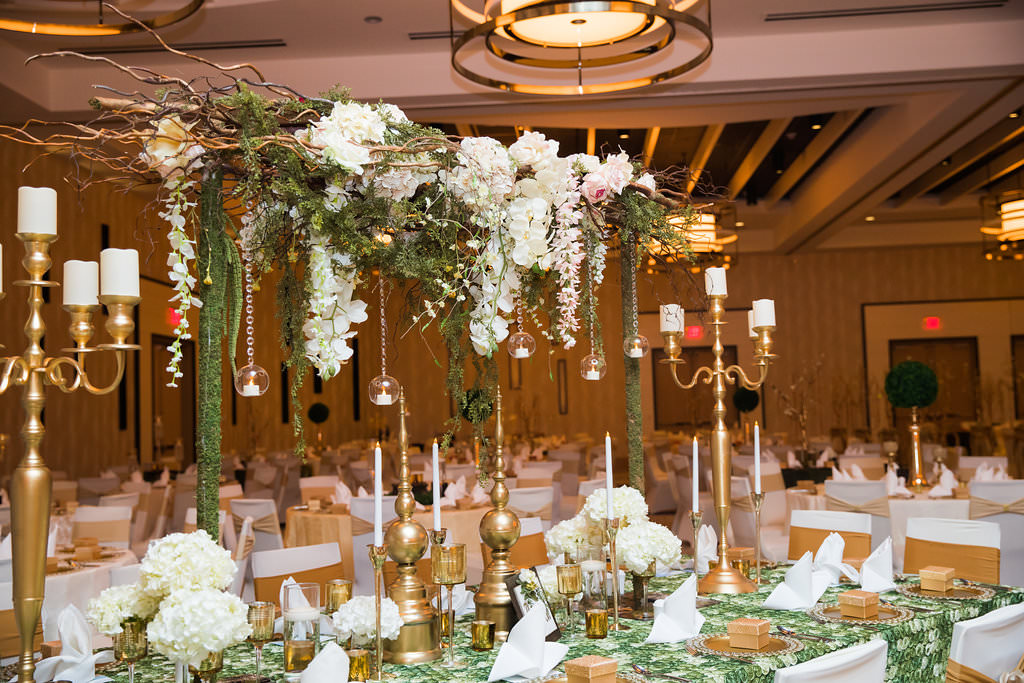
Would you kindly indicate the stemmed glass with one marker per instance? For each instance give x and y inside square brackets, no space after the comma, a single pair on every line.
[570,582]
[261,619]
[301,612]
[448,568]
[593,566]
[130,644]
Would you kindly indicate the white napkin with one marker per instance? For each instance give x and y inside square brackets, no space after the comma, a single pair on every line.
[525,653]
[462,600]
[342,494]
[478,495]
[5,548]
[76,662]
[108,474]
[854,450]
[947,482]
[876,572]
[801,587]
[983,473]
[856,473]
[362,493]
[791,461]
[135,477]
[165,477]
[677,617]
[999,474]
[829,558]
[454,492]
[707,547]
[839,475]
[330,666]
[896,486]
[826,455]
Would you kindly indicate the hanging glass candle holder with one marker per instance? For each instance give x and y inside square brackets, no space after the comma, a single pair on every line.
[636,346]
[251,380]
[384,390]
[521,345]
[593,367]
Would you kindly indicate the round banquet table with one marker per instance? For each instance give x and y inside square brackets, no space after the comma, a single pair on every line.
[900,509]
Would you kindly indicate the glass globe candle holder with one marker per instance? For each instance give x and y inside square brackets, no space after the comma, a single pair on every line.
[636,346]
[251,380]
[384,390]
[521,345]
[593,367]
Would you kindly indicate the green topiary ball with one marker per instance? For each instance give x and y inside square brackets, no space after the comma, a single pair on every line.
[910,384]
[318,413]
[745,399]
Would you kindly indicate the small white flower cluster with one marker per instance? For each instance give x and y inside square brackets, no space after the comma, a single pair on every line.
[485,176]
[357,619]
[642,542]
[171,150]
[117,603]
[333,308]
[628,504]
[182,252]
[569,535]
[185,562]
[192,624]
[343,135]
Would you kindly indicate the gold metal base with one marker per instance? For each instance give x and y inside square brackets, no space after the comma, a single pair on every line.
[494,602]
[725,579]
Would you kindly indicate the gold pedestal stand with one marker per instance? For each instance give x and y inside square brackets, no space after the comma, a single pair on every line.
[611,527]
[695,519]
[757,499]
[499,529]
[406,542]
[723,578]
[378,553]
[31,482]
[918,481]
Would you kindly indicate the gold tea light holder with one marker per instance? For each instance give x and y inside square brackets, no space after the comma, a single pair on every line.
[757,499]
[612,529]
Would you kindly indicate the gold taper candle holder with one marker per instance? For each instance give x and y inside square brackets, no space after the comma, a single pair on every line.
[723,578]
[31,482]
[757,499]
[569,578]
[378,553]
[499,529]
[918,481]
[437,537]
[448,568]
[696,516]
[406,541]
[611,527]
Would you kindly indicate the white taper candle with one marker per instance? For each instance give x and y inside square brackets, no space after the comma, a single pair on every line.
[757,458]
[378,502]
[436,484]
[695,476]
[609,480]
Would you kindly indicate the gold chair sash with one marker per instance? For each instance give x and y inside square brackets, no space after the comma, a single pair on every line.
[772,482]
[959,673]
[529,551]
[267,524]
[268,588]
[543,513]
[802,539]
[105,531]
[361,526]
[878,506]
[983,507]
[245,545]
[971,562]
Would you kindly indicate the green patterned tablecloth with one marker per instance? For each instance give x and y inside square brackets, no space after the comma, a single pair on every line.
[918,648]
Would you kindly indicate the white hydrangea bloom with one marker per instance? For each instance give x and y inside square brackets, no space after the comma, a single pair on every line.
[342,135]
[569,535]
[191,624]
[628,504]
[534,150]
[117,603]
[179,562]
[357,619]
[643,542]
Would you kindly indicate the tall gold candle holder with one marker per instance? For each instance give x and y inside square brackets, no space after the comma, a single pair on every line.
[696,516]
[448,568]
[31,481]
[611,527]
[406,542]
[757,499]
[499,529]
[723,578]
[918,481]
[437,538]
[377,555]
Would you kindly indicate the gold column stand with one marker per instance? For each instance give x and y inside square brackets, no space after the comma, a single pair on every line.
[723,578]
[499,529]
[918,481]
[406,542]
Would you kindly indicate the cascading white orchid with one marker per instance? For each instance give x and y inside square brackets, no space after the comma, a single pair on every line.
[182,252]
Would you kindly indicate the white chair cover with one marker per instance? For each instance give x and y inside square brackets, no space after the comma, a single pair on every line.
[64,491]
[223,521]
[91,488]
[110,525]
[991,644]
[657,490]
[831,520]
[242,585]
[859,492]
[588,486]
[955,531]
[533,501]
[120,500]
[262,481]
[290,560]
[362,508]
[317,487]
[873,466]
[858,664]
[774,539]
[259,509]
[1011,525]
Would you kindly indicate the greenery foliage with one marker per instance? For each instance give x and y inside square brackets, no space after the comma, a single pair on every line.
[910,384]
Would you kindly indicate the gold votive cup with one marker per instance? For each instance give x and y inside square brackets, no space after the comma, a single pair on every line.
[742,566]
[358,665]
[339,591]
[482,633]
[570,579]
[448,564]
[261,619]
[597,623]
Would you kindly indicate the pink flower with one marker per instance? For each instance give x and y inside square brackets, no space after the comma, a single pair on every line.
[594,187]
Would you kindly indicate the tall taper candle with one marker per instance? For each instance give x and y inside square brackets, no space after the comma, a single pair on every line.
[81,283]
[378,514]
[119,272]
[609,480]
[436,483]
[695,476]
[757,458]
[37,210]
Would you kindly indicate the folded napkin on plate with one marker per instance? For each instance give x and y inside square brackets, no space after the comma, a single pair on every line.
[983,473]
[707,548]
[453,492]
[839,475]
[462,601]
[677,618]
[1000,474]
[526,654]
[330,666]
[342,494]
[829,558]
[76,662]
[791,461]
[135,477]
[362,493]
[876,572]
[826,455]
[896,486]
[947,482]
[5,548]
[856,473]
[801,587]
[165,477]
[478,496]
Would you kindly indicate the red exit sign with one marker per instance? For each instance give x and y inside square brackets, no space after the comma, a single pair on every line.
[931,323]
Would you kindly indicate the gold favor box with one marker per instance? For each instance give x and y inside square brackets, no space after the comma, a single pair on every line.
[591,669]
[938,579]
[748,634]
[858,604]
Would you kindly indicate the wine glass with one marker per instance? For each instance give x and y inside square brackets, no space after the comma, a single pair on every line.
[261,619]
[448,568]
[570,582]
[130,644]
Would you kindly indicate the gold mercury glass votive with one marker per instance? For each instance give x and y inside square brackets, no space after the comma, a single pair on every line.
[482,633]
[130,644]
[339,591]
[261,619]
[358,665]
[210,666]
[597,623]
[570,579]
[448,564]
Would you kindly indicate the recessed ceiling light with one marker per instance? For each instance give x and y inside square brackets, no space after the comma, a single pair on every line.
[623,134]
[740,224]
[816,126]
[1015,114]
[372,19]
[869,219]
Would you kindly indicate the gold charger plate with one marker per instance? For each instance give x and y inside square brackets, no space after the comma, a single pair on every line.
[718,644]
[620,677]
[914,590]
[887,614]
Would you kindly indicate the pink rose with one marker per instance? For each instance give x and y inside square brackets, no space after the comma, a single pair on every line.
[594,187]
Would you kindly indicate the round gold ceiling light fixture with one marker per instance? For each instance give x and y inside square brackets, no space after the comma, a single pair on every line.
[54,18]
[1003,226]
[581,47]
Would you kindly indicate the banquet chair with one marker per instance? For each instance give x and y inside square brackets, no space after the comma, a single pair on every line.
[91,488]
[707,500]
[529,551]
[774,541]
[361,509]
[985,648]
[242,584]
[773,509]
[139,513]
[657,491]
[588,486]
[360,471]
[110,525]
[863,663]
[808,528]
[306,564]
[229,492]
[872,466]
[678,483]
[124,575]
[65,491]
[227,530]
[970,547]
[184,498]
[265,524]
[10,641]
[261,481]
[1002,502]
[869,497]
[321,487]
[120,500]
[529,477]
[533,501]
[289,493]
[570,457]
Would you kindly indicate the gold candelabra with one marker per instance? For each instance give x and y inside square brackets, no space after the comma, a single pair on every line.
[723,578]
[499,529]
[34,370]
[406,541]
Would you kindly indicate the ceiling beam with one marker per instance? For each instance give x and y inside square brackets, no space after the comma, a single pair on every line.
[817,148]
[465,130]
[1007,162]
[1004,131]
[591,141]
[704,150]
[650,142]
[756,154]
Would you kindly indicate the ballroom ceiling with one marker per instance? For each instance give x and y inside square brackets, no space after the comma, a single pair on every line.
[832,123]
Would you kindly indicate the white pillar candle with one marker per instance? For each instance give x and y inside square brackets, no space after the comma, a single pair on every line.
[1,268]
[609,480]
[119,272]
[520,352]
[757,458]
[593,375]
[764,313]
[37,210]
[750,324]
[672,318]
[436,482]
[81,283]
[714,282]
[378,511]
[695,476]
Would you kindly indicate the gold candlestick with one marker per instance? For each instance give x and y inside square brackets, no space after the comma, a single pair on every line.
[918,481]
[611,527]
[499,529]
[757,499]
[377,555]
[406,541]
[723,578]
[31,482]
[695,519]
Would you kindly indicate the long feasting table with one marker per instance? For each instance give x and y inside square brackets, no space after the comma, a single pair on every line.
[918,648]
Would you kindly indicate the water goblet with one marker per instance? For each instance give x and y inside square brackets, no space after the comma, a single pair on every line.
[261,619]
[448,568]
[130,644]
[570,582]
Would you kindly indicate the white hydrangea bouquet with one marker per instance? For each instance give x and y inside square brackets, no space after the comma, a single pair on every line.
[587,527]
[192,624]
[357,619]
[185,562]
[644,542]
[113,606]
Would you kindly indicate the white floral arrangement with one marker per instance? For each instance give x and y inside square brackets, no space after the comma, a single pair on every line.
[569,535]
[357,619]
[190,562]
[628,504]
[333,308]
[644,542]
[116,604]
[192,624]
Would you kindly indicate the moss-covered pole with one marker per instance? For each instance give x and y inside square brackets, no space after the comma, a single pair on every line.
[634,411]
